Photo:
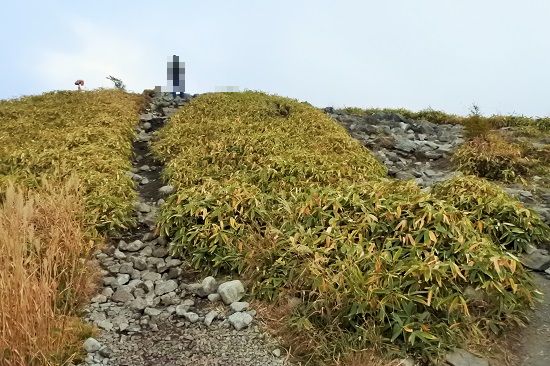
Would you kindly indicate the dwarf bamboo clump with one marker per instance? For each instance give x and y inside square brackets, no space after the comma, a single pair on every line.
[274,189]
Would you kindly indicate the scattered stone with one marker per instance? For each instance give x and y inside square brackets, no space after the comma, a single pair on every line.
[252,313]
[91,345]
[209,285]
[191,317]
[276,352]
[167,111]
[105,324]
[99,298]
[122,295]
[163,287]
[537,260]
[460,357]
[146,117]
[240,320]
[160,252]
[126,268]
[107,292]
[209,318]
[197,289]
[239,306]
[122,279]
[130,247]
[147,126]
[214,297]
[138,304]
[166,190]
[174,272]
[119,255]
[169,299]
[106,352]
[145,168]
[152,311]
[151,276]
[143,207]
[231,291]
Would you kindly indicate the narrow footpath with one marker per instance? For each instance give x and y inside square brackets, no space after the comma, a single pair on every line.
[147,311]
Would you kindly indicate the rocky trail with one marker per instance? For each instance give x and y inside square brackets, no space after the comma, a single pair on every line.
[149,311]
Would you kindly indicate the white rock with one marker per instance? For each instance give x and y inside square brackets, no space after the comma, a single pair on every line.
[122,279]
[143,207]
[122,295]
[231,291]
[191,317]
[166,190]
[107,292]
[214,297]
[99,298]
[151,276]
[130,247]
[119,255]
[105,324]
[138,304]
[276,352]
[91,345]
[240,320]
[238,306]
[163,287]
[209,285]
[209,318]
[460,357]
[152,312]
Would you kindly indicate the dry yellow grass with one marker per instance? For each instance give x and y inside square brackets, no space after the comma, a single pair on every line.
[44,276]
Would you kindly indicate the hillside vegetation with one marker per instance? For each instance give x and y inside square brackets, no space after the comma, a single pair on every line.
[60,133]
[277,191]
[489,153]
[63,163]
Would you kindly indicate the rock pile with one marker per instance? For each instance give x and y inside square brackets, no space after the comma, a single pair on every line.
[418,150]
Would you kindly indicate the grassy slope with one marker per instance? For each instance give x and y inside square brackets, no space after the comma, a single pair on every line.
[80,142]
[60,133]
[274,189]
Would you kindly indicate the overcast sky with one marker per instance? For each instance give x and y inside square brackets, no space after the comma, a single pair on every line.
[444,54]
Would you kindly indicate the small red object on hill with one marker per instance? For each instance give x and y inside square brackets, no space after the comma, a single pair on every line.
[79,83]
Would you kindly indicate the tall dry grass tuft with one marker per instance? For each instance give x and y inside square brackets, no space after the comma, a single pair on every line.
[44,274]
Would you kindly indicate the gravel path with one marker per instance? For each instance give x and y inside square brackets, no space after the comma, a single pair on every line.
[535,345]
[148,311]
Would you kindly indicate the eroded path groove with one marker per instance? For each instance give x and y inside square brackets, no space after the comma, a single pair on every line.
[148,311]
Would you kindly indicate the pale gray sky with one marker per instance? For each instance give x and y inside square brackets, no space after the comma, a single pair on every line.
[445,54]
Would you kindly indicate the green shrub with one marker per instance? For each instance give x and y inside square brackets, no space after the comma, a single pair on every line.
[274,190]
[504,219]
[492,157]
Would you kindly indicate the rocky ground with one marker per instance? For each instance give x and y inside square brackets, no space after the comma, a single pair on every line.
[148,310]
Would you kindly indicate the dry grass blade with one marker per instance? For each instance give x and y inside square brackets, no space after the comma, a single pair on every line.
[45,276]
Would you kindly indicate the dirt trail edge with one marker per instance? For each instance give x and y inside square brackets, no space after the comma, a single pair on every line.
[147,312]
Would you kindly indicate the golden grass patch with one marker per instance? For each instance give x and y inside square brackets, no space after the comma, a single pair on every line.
[89,134]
